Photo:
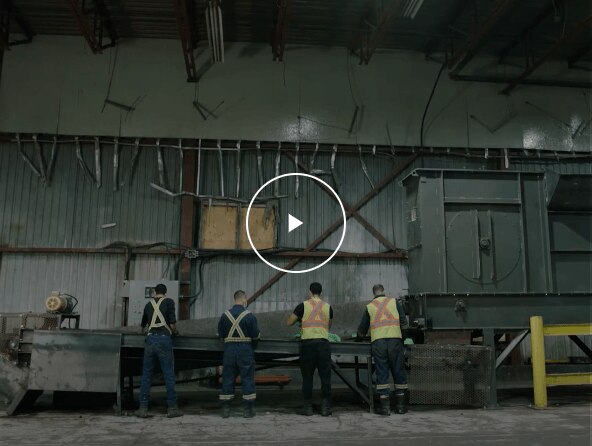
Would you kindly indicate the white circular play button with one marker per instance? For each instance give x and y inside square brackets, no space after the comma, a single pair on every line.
[294,223]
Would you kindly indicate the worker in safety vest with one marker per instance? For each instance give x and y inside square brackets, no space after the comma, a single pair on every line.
[238,328]
[383,317]
[159,317]
[315,317]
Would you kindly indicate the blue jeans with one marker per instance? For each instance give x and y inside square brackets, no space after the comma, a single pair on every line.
[389,356]
[238,360]
[158,348]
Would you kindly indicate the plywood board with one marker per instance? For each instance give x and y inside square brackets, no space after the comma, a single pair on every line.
[262,229]
[218,227]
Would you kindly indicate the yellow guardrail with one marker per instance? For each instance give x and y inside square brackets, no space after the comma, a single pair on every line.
[540,379]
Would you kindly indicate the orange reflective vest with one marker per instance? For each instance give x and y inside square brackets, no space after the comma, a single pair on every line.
[384,318]
[315,320]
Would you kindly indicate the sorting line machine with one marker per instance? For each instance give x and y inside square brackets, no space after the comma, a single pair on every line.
[101,361]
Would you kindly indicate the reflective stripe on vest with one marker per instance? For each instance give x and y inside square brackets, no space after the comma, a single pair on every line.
[384,318]
[236,328]
[315,320]
[157,314]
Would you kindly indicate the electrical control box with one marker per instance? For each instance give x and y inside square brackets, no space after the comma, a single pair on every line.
[136,294]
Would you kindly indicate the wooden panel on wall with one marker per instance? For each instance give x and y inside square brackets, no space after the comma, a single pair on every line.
[262,228]
[218,229]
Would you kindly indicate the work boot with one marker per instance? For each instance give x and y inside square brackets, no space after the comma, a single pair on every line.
[385,406]
[249,409]
[226,409]
[400,403]
[174,412]
[306,409]
[326,407]
[142,412]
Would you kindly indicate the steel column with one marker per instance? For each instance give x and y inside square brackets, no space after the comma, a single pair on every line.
[186,33]
[187,231]
[280,29]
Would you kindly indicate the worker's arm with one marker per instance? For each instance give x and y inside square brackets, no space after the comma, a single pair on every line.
[171,317]
[144,319]
[402,316]
[296,315]
[364,325]
[221,329]
[255,329]
[292,319]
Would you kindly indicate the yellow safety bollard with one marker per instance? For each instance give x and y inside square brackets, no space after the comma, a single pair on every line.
[539,379]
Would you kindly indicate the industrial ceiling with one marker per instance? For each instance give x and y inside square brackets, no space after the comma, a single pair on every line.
[534,30]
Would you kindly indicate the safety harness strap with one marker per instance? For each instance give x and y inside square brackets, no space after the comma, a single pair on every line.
[236,328]
[157,315]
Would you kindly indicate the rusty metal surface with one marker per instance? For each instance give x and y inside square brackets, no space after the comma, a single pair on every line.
[75,361]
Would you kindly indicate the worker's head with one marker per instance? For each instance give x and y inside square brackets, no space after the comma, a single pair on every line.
[378,290]
[160,289]
[315,289]
[240,298]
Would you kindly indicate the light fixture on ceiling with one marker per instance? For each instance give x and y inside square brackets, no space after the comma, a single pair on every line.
[411,8]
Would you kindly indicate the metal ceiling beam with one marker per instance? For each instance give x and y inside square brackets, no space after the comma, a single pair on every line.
[92,31]
[280,28]
[478,37]
[385,181]
[573,59]
[582,26]
[539,82]
[9,13]
[367,44]
[536,21]
[448,21]
[185,24]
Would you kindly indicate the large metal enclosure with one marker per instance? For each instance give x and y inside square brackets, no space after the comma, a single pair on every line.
[491,248]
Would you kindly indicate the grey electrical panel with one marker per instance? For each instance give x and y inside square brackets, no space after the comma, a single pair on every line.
[137,294]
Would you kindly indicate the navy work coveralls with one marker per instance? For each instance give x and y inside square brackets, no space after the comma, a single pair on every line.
[388,355]
[238,328]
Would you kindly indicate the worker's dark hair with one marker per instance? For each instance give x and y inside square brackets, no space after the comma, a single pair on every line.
[316,288]
[160,289]
[240,294]
[377,289]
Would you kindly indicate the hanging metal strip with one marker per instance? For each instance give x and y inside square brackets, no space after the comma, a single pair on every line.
[238,168]
[297,176]
[276,184]
[259,164]
[181,169]
[160,160]
[220,168]
[52,157]
[364,167]
[81,160]
[98,170]
[40,158]
[26,157]
[115,164]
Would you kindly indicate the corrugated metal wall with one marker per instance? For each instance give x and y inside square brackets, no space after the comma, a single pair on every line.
[27,280]
[70,212]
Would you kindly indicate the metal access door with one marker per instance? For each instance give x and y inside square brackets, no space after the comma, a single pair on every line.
[484,247]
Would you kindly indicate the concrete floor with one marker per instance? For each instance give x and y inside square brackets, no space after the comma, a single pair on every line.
[567,422]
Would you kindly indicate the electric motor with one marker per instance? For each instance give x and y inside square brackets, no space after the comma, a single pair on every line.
[60,303]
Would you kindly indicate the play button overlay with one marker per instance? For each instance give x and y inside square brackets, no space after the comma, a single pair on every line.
[294,223]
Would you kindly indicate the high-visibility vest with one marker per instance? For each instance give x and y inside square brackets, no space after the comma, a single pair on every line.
[384,318]
[315,320]
[236,328]
[158,320]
